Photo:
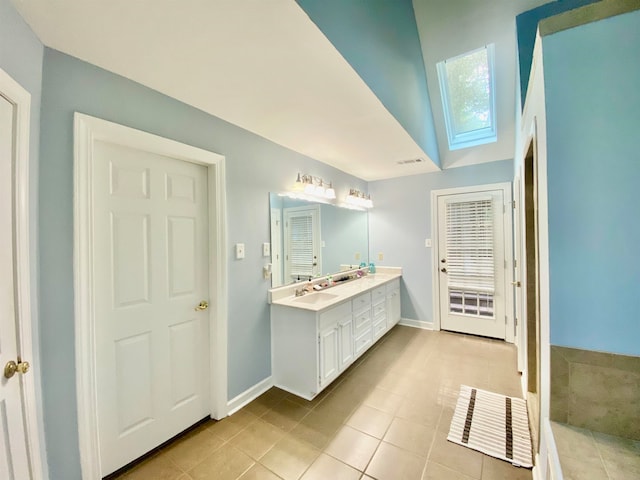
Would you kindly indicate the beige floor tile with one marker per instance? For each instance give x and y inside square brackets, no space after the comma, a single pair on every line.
[185,476]
[226,463]
[285,415]
[573,441]
[259,472]
[420,412]
[435,471]
[370,420]
[496,469]
[411,436]
[190,450]
[257,438]
[383,400]
[229,427]
[456,457]
[316,429]
[266,401]
[289,458]
[326,467]
[393,463]
[353,447]
[158,467]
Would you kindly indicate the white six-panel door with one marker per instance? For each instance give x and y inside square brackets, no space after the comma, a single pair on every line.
[14,461]
[151,267]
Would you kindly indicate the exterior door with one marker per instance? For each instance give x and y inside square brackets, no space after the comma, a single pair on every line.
[471,263]
[151,267]
[14,460]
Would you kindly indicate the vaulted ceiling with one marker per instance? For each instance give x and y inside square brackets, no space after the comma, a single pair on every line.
[262,65]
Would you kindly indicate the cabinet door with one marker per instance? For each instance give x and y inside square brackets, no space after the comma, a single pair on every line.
[328,355]
[393,308]
[345,333]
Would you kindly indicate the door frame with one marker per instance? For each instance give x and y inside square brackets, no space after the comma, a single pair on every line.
[26,316]
[508,248]
[87,130]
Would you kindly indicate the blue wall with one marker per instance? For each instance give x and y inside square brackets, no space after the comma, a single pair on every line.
[592,79]
[254,167]
[527,26]
[401,221]
[379,38]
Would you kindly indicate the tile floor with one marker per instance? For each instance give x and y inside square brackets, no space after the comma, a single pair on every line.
[587,455]
[386,417]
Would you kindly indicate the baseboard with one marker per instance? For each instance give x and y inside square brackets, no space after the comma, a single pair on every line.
[407,322]
[249,395]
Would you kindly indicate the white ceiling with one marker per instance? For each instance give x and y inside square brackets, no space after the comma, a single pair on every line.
[261,65]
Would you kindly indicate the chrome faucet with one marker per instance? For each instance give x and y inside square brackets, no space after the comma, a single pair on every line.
[300,292]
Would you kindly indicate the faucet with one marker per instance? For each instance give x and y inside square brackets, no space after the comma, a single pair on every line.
[300,292]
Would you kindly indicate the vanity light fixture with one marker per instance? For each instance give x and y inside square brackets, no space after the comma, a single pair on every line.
[358,200]
[308,187]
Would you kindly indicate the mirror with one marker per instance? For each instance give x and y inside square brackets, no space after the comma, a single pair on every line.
[314,239]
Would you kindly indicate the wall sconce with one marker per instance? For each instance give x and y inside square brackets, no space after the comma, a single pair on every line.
[308,187]
[358,200]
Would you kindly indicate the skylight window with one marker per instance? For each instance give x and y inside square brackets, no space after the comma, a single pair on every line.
[468,98]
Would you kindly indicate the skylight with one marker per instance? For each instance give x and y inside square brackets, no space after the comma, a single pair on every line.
[468,98]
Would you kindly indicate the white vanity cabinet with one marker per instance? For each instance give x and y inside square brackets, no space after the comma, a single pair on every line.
[312,345]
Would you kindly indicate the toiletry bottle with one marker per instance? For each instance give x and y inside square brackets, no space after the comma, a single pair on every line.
[372,268]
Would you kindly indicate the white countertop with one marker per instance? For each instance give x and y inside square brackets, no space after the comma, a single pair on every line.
[319,300]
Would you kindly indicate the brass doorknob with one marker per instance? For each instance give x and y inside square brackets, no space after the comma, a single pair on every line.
[516,284]
[202,306]
[12,367]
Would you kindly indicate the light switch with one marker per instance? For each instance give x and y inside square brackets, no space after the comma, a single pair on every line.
[266,249]
[427,242]
[357,255]
[239,251]
[380,256]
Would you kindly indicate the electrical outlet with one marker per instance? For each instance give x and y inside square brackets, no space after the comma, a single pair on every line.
[239,251]
[380,256]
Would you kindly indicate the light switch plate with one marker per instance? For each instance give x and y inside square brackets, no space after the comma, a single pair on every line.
[239,251]
[266,249]
[427,242]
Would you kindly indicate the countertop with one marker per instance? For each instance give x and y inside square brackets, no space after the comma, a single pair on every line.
[317,301]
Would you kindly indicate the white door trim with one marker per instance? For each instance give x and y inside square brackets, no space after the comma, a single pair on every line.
[17,95]
[86,131]
[508,249]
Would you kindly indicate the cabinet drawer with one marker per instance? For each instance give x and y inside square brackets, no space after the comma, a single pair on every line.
[379,327]
[361,322]
[378,293]
[363,342]
[361,301]
[380,307]
[334,314]
[393,285]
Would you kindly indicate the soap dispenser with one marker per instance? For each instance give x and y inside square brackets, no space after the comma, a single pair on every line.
[372,268]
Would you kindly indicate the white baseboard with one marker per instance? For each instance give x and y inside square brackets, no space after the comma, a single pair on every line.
[407,322]
[552,462]
[248,395]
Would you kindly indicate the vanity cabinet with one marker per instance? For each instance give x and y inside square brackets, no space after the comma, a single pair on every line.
[311,348]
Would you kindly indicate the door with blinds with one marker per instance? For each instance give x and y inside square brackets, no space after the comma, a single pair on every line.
[302,243]
[471,263]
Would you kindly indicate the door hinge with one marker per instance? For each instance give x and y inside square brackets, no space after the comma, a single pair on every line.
[513,202]
[515,263]
[506,320]
[515,322]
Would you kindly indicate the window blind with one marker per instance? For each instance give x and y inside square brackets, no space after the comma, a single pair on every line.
[301,245]
[470,249]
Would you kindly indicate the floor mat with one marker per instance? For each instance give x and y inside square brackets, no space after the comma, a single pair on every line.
[493,424]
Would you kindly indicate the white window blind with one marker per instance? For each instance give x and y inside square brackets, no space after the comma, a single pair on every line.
[301,245]
[470,249]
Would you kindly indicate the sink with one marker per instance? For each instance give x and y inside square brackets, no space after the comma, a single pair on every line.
[317,297]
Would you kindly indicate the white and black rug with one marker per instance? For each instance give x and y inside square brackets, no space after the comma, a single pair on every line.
[493,424]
